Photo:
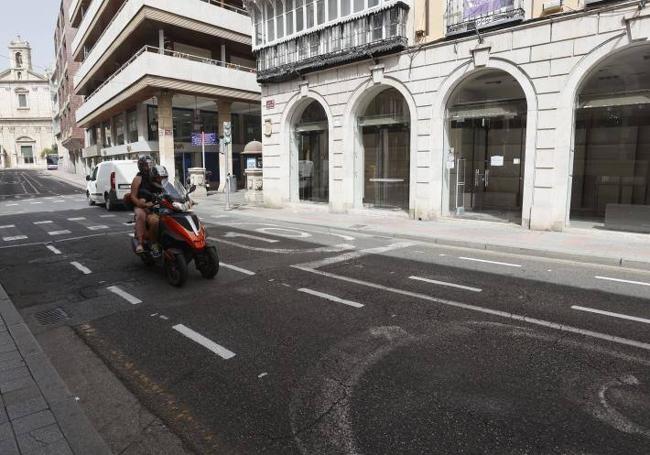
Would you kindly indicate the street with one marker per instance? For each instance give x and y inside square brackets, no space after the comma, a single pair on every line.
[319,341]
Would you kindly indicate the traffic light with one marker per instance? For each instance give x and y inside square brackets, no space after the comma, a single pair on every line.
[227,133]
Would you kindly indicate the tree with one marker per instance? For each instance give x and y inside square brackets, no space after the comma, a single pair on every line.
[47,151]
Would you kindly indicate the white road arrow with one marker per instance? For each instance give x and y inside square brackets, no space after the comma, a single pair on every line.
[248,236]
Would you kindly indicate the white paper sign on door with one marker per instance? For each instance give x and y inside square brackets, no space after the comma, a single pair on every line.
[496,160]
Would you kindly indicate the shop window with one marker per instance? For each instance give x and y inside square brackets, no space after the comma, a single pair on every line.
[132,126]
[108,138]
[152,123]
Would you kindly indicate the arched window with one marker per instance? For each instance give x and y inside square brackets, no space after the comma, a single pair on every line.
[19,59]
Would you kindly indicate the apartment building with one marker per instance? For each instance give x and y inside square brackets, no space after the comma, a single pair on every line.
[154,74]
[70,138]
[535,112]
[25,110]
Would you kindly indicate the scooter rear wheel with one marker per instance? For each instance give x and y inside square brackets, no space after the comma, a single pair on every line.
[176,270]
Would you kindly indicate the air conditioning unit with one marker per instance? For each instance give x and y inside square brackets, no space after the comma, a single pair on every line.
[552,6]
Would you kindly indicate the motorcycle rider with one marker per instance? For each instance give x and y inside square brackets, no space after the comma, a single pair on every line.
[158,175]
[141,205]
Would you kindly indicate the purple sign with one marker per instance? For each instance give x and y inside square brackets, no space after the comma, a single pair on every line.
[210,138]
[476,8]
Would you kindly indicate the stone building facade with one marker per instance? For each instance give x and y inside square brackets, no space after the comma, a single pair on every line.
[539,116]
[25,111]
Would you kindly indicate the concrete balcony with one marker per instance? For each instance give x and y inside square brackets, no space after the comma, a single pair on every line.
[205,16]
[91,151]
[148,72]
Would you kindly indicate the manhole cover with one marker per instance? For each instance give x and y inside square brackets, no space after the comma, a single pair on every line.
[51,316]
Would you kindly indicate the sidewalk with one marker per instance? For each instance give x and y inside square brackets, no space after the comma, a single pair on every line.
[73,179]
[38,414]
[585,245]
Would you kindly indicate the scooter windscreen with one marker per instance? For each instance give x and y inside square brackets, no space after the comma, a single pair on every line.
[178,195]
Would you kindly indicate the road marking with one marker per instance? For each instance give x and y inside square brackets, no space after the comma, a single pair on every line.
[465,306]
[65,231]
[296,234]
[58,202]
[507,264]
[107,216]
[205,342]
[37,202]
[355,254]
[323,249]
[248,236]
[43,222]
[11,205]
[81,268]
[13,238]
[220,216]
[444,283]
[53,249]
[78,218]
[261,375]
[619,280]
[609,313]
[97,228]
[236,269]
[7,226]
[125,295]
[333,298]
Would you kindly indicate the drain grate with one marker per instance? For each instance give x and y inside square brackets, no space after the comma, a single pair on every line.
[53,316]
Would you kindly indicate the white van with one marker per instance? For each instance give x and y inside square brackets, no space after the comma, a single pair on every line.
[110,181]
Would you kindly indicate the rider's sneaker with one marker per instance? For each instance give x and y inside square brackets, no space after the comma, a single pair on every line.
[155,250]
[139,249]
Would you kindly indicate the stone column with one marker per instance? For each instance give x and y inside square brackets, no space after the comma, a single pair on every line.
[223,108]
[166,132]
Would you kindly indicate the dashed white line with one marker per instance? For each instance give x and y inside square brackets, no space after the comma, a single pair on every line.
[445,283]
[125,295]
[14,238]
[609,313]
[78,218]
[58,202]
[506,264]
[465,306]
[205,342]
[97,228]
[11,205]
[107,216]
[237,269]
[64,231]
[8,226]
[81,268]
[53,249]
[333,298]
[43,222]
[620,280]
[37,202]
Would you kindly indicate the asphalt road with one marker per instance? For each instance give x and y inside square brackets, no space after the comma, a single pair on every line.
[318,342]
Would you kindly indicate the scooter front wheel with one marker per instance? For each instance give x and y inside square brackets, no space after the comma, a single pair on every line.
[176,270]
[209,263]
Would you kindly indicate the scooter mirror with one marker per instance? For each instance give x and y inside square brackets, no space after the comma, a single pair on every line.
[87,178]
[192,188]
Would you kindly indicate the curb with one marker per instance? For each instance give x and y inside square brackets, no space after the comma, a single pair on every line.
[486,246]
[80,434]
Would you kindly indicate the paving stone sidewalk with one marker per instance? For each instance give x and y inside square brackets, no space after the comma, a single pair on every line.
[38,414]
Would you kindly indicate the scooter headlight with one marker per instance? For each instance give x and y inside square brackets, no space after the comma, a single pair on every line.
[178,206]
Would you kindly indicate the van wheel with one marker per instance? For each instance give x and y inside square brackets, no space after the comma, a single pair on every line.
[108,204]
[90,201]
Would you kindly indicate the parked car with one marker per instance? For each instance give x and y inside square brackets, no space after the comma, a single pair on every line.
[110,181]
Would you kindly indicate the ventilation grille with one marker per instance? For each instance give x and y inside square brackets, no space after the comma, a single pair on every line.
[50,317]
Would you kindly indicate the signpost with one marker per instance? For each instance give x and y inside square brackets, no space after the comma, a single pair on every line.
[227,139]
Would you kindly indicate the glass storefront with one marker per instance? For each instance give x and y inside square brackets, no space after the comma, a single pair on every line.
[313,154]
[487,128]
[386,136]
[611,167]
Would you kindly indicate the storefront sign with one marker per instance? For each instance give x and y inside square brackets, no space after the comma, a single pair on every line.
[496,160]
[476,8]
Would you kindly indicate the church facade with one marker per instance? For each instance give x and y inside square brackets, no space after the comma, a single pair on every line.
[25,111]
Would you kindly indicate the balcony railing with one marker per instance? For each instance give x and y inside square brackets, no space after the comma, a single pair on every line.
[222,4]
[465,16]
[170,53]
[378,33]
[117,13]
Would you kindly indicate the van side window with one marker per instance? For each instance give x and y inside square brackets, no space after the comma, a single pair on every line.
[94,176]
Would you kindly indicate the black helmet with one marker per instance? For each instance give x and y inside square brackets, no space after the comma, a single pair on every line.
[144,163]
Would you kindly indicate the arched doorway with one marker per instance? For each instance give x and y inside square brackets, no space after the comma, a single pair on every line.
[486,121]
[312,141]
[610,183]
[385,130]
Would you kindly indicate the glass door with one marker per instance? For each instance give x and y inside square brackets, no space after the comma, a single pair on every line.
[313,166]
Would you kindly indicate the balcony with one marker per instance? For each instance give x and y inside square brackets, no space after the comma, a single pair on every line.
[150,71]
[227,21]
[91,151]
[467,16]
[378,33]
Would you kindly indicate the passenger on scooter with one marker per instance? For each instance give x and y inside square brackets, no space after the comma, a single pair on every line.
[142,181]
[158,175]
